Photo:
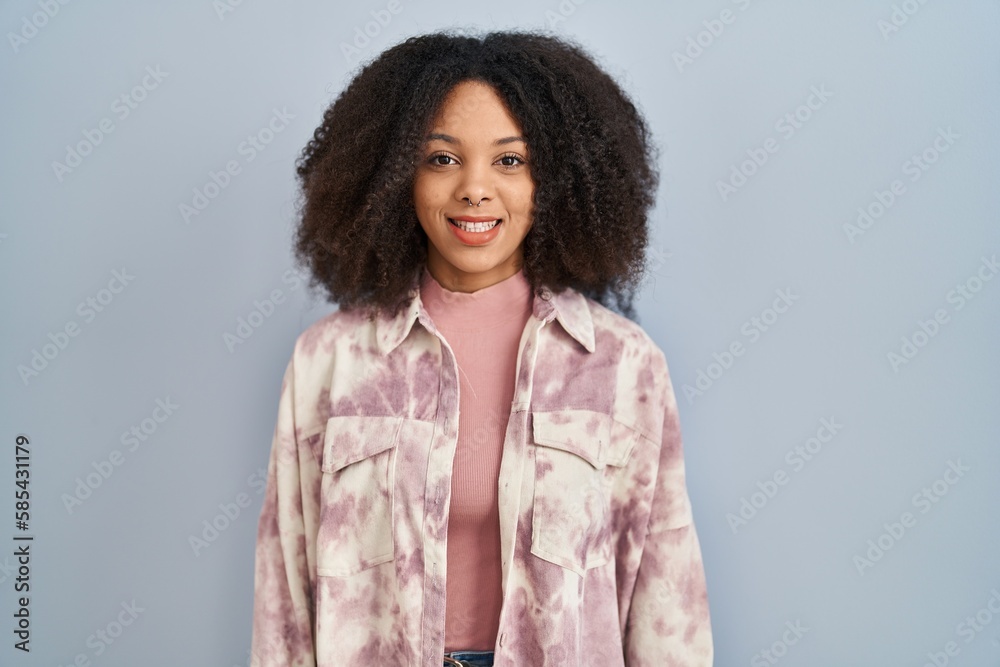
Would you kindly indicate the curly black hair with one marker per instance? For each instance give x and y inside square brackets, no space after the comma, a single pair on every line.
[593,165]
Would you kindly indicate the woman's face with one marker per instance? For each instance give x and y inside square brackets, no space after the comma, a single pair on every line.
[474,152]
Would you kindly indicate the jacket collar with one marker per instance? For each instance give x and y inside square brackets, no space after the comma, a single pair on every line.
[569,308]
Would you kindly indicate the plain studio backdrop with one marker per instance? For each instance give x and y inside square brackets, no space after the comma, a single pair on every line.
[823,277]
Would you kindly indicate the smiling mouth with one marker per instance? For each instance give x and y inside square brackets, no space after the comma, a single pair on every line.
[475,226]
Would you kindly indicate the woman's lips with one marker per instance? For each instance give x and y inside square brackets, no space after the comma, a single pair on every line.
[475,226]
[474,218]
[477,231]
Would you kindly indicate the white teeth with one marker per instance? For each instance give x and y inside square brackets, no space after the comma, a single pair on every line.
[475,226]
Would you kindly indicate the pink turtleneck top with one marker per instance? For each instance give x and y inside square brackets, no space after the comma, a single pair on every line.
[483,329]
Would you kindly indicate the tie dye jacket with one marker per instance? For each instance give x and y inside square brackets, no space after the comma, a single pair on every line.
[601,562]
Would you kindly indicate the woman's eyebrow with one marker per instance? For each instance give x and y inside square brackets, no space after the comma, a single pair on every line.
[452,140]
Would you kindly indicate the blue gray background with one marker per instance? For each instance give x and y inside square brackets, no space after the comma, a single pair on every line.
[842,99]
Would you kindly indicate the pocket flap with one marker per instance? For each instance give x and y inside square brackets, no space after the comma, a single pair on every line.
[594,436]
[351,438]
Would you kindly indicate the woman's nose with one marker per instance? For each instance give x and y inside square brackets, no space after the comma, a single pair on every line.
[476,184]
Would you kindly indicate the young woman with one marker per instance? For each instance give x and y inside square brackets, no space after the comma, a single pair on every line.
[476,460]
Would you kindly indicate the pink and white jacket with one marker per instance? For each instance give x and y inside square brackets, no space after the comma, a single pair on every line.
[601,561]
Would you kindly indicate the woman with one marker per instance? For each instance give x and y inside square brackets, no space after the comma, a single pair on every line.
[476,461]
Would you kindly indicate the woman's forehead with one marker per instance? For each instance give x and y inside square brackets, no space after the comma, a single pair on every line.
[474,112]
[457,141]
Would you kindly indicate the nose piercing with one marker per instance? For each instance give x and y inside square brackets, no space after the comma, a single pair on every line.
[470,202]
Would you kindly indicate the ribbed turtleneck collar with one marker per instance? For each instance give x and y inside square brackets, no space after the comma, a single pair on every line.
[475,311]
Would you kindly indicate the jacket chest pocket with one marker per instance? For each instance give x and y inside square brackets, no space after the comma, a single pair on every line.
[577,454]
[356,495]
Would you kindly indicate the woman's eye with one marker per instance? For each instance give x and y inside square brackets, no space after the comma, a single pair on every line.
[507,161]
[515,161]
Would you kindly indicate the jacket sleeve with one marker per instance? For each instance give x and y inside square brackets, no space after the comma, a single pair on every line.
[283,613]
[668,620]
